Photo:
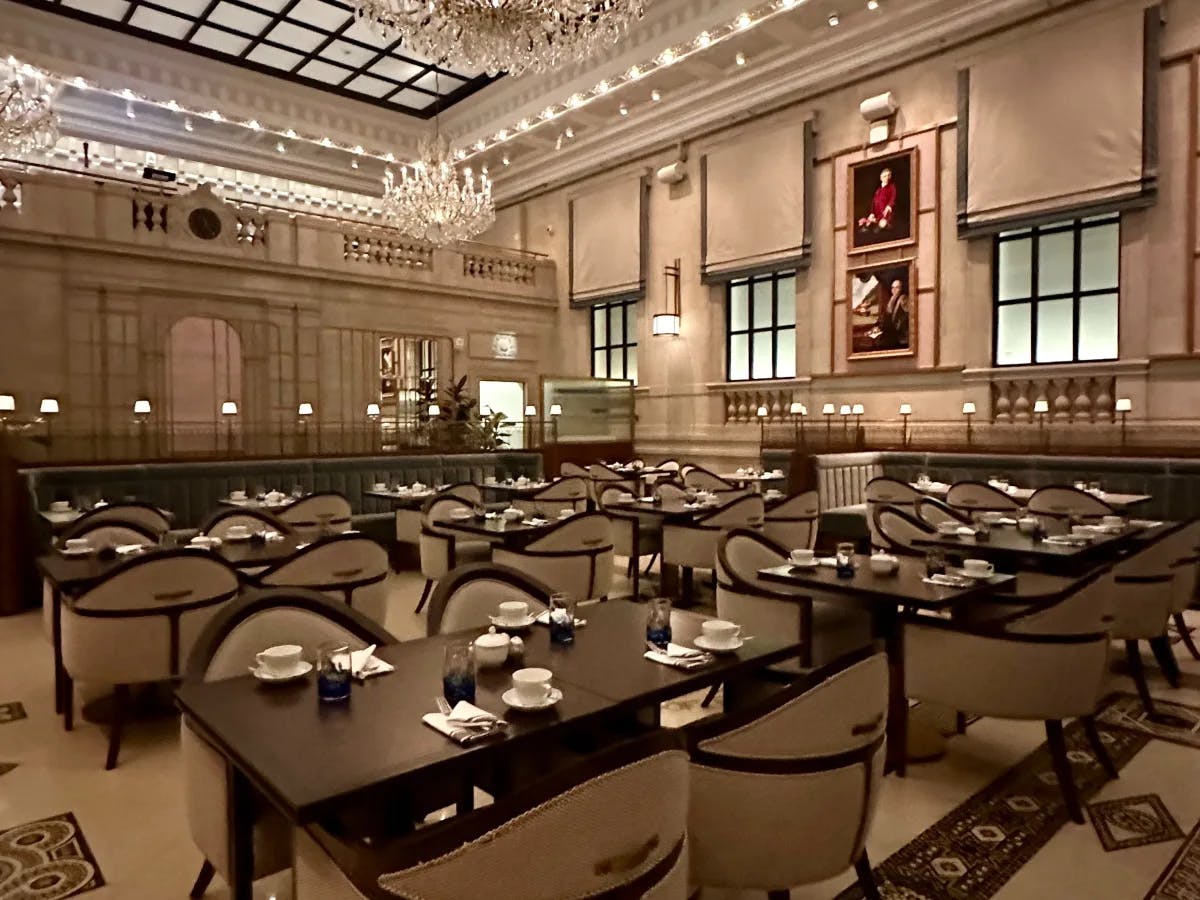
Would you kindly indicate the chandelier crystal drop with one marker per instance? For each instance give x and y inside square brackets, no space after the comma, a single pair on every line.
[28,123]
[430,202]
[512,36]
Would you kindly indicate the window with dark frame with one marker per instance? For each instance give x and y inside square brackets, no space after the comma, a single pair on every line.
[760,326]
[1056,289]
[614,340]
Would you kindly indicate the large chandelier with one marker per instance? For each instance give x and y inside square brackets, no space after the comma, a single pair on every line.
[431,203]
[510,36]
[28,123]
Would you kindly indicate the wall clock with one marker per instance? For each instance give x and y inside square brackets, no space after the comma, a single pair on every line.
[204,223]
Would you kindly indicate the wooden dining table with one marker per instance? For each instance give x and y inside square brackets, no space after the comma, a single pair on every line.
[653,513]
[1117,501]
[61,519]
[310,759]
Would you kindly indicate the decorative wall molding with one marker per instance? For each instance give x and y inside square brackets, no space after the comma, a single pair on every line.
[385,250]
[1087,398]
[498,268]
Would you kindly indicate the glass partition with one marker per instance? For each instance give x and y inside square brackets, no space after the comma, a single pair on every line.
[592,409]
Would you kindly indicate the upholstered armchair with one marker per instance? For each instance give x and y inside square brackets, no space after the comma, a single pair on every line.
[144,515]
[974,496]
[703,480]
[793,521]
[634,535]
[471,595]
[883,492]
[347,567]
[933,512]
[895,529]
[218,524]
[563,494]
[574,556]
[1056,505]
[693,545]
[441,549]
[318,514]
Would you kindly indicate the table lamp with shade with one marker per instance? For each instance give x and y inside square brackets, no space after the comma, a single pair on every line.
[968,410]
[1041,407]
[844,412]
[373,411]
[530,415]
[555,412]
[857,410]
[141,407]
[798,412]
[827,411]
[48,410]
[1124,406]
[8,406]
[905,412]
[229,409]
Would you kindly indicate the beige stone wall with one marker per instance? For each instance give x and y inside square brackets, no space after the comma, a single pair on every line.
[683,403]
[93,283]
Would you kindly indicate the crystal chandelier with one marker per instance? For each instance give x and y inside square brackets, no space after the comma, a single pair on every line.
[429,202]
[28,123]
[510,36]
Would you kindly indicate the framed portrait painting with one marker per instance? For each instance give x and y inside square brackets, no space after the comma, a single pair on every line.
[883,202]
[883,310]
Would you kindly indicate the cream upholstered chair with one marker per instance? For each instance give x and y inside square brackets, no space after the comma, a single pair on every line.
[441,549]
[572,470]
[138,624]
[225,649]
[1187,581]
[218,524]
[793,521]
[327,512]
[470,595]
[614,825]
[783,793]
[1056,505]
[883,491]
[1046,663]
[574,556]
[704,480]
[347,567]
[144,515]
[602,477]
[563,494]
[933,512]
[408,521]
[693,545]
[974,496]
[670,491]
[467,490]
[895,529]
[669,465]
[634,535]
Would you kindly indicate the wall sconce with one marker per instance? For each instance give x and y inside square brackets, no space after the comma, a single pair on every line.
[968,410]
[667,323]
[373,411]
[858,411]
[905,412]
[304,409]
[229,408]
[827,412]
[1124,407]
[434,410]
[49,409]
[141,408]
[844,412]
[798,413]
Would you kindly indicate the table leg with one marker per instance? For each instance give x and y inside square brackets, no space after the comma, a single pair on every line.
[668,579]
[56,639]
[240,807]
[887,627]
[637,560]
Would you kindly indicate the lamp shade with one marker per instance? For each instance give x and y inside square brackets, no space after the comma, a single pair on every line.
[844,409]
[141,407]
[761,412]
[304,409]
[1041,406]
[906,409]
[798,409]
[229,408]
[49,406]
[1124,404]
[531,410]
[968,408]
[827,409]
[8,403]
[434,409]
[664,324]
[858,409]
[373,411]
[556,409]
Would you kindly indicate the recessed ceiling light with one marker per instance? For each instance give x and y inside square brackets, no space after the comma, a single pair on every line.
[703,39]
[740,59]
[872,5]
[834,20]
[624,110]
[744,20]
[280,147]
[656,95]
[570,132]
[504,160]
[129,110]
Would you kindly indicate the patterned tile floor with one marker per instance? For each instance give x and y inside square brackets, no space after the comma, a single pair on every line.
[132,820]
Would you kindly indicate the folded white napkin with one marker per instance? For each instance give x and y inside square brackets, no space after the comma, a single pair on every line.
[466,723]
[965,531]
[538,521]
[543,618]
[679,656]
[1144,523]
[827,561]
[1069,539]
[1006,520]
[364,664]
[949,580]
[130,549]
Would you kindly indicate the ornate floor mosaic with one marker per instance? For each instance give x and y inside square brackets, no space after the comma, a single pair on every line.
[1133,822]
[46,860]
[1126,711]
[11,712]
[1181,879]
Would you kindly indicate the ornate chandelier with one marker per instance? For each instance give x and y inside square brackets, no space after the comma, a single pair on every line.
[28,123]
[430,203]
[510,36]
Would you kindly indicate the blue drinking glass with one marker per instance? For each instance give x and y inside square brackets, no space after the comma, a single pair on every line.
[458,673]
[658,622]
[333,673]
[845,560]
[562,619]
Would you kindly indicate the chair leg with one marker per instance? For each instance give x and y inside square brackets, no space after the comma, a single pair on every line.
[120,710]
[866,878]
[203,880]
[779,895]
[629,568]
[960,723]
[1166,659]
[1138,673]
[424,596]
[710,696]
[1062,768]
[1098,748]
[650,565]
[68,702]
[1186,635]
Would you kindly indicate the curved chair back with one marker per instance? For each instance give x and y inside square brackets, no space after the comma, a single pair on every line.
[572,470]
[472,594]
[564,494]
[225,649]
[783,792]
[670,491]
[634,535]
[348,567]
[110,534]
[694,545]
[467,490]
[793,521]
[218,524]
[318,514]
[574,557]
[884,491]
[144,515]
[745,511]
[437,544]
[614,825]
[975,496]
[704,480]
[1055,505]
[895,529]
[669,465]
[933,512]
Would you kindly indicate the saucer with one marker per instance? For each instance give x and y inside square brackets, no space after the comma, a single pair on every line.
[238,538]
[810,564]
[517,625]
[302,669]
[705,644]
[78,551]
[979,576]
[511,699]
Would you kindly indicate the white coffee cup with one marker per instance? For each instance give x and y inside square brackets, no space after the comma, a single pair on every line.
[281,659]
[533,685]
[720,633]
[238,531]
[76,544]
[513,611]
[512,514]
[978,567]
[884,563]
[566,513]
[237,495]
[60,505]
[1027,524]
[1112,521]
[379,486]
[947,527]
[491,479]
[803,557]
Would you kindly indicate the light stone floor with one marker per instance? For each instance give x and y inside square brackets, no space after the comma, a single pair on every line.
[134,821]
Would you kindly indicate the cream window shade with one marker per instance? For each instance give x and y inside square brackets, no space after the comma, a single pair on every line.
[1061,123]
[608,243]
[754,197]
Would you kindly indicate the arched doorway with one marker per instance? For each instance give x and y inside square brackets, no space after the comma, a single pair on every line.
[204,370]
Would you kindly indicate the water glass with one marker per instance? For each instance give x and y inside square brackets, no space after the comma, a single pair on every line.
[983,527]
[845,560]
[935,562]
[458,672]
[333,672]
[658,622]
[562,619]
[1095,488]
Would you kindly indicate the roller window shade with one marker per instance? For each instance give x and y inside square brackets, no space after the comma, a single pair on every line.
[608,243]
[1061,123]
[755,193]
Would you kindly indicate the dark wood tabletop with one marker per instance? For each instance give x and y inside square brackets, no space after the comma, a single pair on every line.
[497,530]
[675,509]
[256,503]
[406,500]
[512,489]
[61,519]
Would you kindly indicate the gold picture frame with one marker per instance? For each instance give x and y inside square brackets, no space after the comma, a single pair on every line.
[881,310]
[868,201]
